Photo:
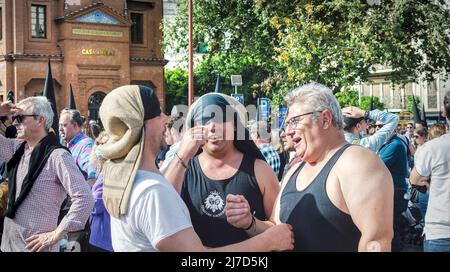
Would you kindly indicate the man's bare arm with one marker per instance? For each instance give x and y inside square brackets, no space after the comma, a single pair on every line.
[367,188]
[278,238]
[416,179]
[192,139]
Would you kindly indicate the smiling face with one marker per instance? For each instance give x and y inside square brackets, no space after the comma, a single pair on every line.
[305,135]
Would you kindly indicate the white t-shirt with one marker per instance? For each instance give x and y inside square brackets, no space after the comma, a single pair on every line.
[433,160]
[170,156]
[155,212]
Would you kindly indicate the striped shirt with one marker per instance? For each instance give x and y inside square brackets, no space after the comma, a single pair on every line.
[81,147]
[271,156]
[39,212]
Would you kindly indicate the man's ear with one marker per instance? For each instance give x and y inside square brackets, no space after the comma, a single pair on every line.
[327,119]
[41,120]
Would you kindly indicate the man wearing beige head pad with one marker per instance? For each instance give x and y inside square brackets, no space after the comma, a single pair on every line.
[146,212]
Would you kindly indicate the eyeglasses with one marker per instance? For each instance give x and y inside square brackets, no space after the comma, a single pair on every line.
[21,117]
[293,122]
[409,127]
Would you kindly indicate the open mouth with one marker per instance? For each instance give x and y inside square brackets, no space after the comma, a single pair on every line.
[296,141]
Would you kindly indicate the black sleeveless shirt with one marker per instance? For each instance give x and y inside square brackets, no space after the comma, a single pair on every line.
[206,200]
[318,224]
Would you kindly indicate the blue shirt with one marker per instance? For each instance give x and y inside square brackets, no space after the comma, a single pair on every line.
[394,156]
[81,147]
[374,142]
[271,156]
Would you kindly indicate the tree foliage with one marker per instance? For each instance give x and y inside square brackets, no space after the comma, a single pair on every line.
[176,88]
[350,98]
[409,104]
[279,46]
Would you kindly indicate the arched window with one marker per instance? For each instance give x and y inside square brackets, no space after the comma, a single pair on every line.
[94,103]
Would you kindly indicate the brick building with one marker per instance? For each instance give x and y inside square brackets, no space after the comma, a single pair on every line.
[94,45]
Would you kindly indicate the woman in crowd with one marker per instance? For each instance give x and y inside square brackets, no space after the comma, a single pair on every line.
[100,238]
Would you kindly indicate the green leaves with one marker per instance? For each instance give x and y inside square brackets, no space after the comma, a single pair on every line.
[350,98]
[278,46]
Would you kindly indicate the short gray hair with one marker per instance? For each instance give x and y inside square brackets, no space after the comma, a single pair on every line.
[316,97]
[75,116]
[42,107]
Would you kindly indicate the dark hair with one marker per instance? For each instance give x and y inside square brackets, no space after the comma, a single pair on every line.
[350,122]
[447,105]
[423,132]
[95,130]
[423,123]
[75,116]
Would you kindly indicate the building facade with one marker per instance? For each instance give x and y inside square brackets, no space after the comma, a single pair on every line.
[394,98]
[96,46]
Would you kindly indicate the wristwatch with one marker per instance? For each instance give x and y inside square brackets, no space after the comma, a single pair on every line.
[366,114]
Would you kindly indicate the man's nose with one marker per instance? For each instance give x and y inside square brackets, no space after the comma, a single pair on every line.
[288,131]
[211,126]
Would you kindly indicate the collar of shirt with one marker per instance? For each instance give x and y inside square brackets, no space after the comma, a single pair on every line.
[351,138]
[76,139]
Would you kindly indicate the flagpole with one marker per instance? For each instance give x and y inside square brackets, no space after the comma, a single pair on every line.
[191,55]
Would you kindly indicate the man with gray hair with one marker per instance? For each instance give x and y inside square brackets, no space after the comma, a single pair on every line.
[340,197]
[80,145]
[41,173]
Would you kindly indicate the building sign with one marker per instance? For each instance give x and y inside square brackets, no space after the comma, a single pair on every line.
[282,116]
[101,52]
[263,109]
[239,98]
[95,32]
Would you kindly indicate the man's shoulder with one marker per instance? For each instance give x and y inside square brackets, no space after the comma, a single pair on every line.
[146,180]
[440,144]
[60,152]
[86,140]
[356,153]
[396,142]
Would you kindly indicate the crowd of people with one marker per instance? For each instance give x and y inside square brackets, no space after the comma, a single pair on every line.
[329,179]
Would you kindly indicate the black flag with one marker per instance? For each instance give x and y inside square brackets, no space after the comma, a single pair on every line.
[415,111]
[424,116]
[72,105]
[49,92]
[371,103]
[218,88]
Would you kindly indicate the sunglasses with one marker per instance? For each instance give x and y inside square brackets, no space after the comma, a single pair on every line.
[379,126]
[21,117]
[409,127]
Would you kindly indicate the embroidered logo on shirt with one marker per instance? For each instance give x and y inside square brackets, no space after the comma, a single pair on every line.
[213,203]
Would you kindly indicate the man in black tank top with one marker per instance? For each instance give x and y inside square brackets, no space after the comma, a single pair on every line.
[340,198]
[228,188]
